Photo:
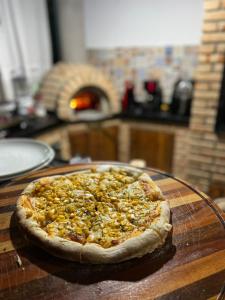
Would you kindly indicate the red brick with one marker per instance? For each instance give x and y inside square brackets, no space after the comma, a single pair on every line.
[218,177]
[196,172]
[204,104]
[219,161]
[213,37]
[196,135]
[201,158]
[204,67]
[215,86]
[213,76]
[201,86]
[202,151]
[206,94]
[201,127]
[218,67]
[202,143]
[210,121]
[214,15]
[201,166]
[220,146]
[221,26]
[200,103]
[221,47]
[210,5]
[207,49]
[204,58]
[217,57]
[199,120]
[219,153]
[211,137]
[210,27]
[218,169]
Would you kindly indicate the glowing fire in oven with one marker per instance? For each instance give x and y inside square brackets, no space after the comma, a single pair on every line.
[84,101]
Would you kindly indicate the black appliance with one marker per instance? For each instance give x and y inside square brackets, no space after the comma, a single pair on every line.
[182,97]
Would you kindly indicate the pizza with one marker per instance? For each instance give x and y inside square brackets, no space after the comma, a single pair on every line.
[106,214]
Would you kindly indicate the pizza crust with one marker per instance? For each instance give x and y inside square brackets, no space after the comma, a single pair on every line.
[137,246]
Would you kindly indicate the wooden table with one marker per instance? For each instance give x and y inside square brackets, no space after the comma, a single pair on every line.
[191,265]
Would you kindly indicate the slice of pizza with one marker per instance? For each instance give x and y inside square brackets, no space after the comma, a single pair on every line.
[104,215]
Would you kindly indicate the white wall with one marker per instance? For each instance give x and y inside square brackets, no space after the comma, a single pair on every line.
[125,23]
[71,30]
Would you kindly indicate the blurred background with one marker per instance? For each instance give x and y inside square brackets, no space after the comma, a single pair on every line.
[118,80]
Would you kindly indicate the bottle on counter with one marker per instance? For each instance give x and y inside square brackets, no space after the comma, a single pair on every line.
[128,100]
[153,94]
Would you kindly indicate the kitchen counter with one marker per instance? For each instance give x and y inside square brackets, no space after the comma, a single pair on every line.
[157,117]
[30,127]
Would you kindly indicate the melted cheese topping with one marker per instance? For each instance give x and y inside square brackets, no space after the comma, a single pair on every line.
[104,208]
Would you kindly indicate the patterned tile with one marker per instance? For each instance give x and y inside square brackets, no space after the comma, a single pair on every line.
[165,64]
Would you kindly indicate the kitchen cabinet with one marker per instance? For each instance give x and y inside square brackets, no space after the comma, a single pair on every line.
[97,142]
[102,143]
[155,147]
[117,141]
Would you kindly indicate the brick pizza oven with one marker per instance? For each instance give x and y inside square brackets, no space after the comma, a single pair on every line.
[202,158]
[78,92]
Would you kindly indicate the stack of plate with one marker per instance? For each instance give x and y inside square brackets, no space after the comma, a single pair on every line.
[20,156]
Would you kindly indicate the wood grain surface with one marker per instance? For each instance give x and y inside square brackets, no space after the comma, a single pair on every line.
[191,265]
[159,153]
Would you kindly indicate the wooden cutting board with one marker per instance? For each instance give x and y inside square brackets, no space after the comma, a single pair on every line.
[191,265]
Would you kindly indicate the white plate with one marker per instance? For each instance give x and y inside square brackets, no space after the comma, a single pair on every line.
[18,156]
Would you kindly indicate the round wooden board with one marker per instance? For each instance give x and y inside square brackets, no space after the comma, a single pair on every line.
[191,265]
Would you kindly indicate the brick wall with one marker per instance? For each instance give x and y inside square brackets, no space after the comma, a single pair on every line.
[206,151]
[181,149]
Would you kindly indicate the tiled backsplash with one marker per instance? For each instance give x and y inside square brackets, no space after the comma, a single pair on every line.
[166,64]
